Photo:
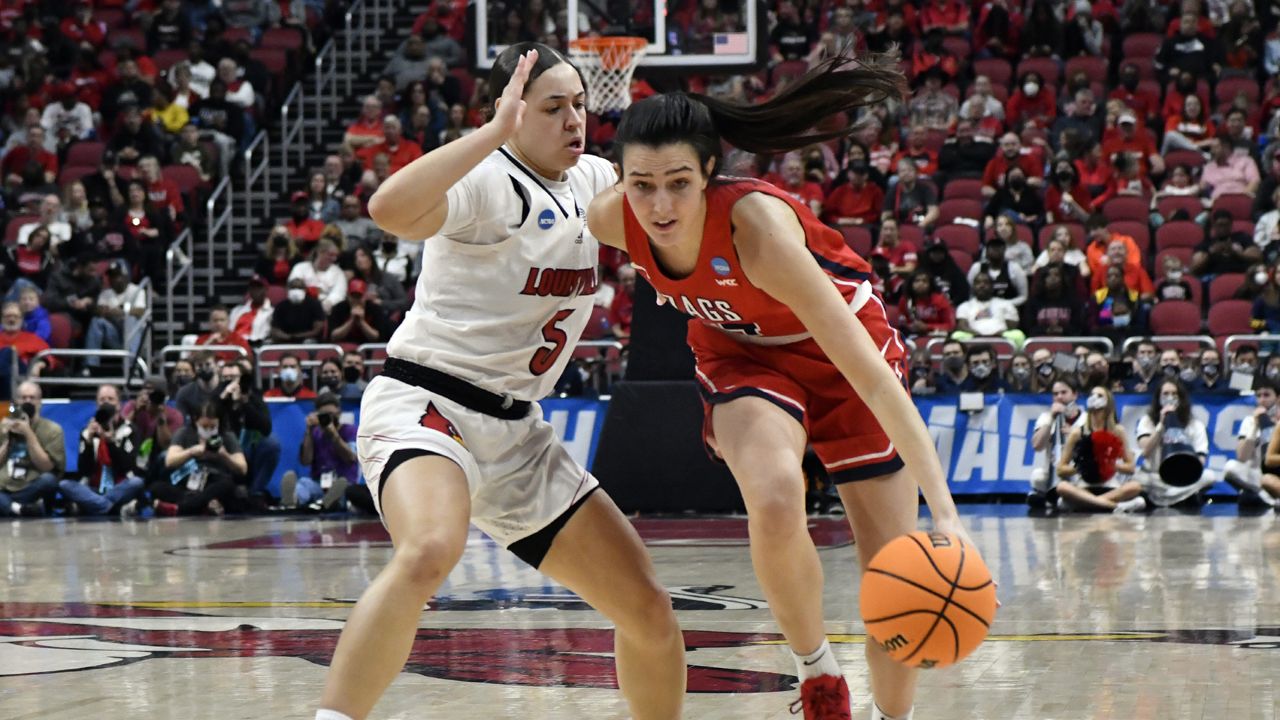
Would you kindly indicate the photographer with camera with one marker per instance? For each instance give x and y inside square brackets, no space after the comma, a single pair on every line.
[327,447]
[154,424]
[108,462]
[203,463]
[32,456]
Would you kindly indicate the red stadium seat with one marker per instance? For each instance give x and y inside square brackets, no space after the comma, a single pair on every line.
[61,331]
[1139,231]
[1047,67]
[1146,70]
[232,35]
[1096,68]
[597,325]
[1229,87]
[16,223]
[71,173]
[1238,204]
[963,189]
[85,152]
[1191,158]
[1197,290]
[1230,317]
[1179,234]
[275,60]
[186,177]
[130,37]
[1125,208]
[165,59]
[997,70]
[112,17]
[959,237]
[858,239]
[1141,45]
[950,210]
[963,259]
[282,38]
[1224,287]
[1243,226]
[957,46]
[1171,204]
[913,234]
[1175,317]
[466,80]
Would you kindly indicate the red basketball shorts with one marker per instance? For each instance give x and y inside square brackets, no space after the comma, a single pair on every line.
[800,379]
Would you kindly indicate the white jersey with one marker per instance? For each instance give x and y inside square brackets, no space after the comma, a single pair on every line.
[506,285]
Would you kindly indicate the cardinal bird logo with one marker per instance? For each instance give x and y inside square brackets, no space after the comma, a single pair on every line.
[433,420]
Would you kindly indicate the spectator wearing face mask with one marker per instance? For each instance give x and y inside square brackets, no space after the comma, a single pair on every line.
[154,424]
[192,395]
[1048,437]
[1146,369]
[954,369]
[290,381]
[203,463]
[1019,377]
[327,451]
[1043,372]
[1170,365]
[1244,362]
[32,456]
[1211,378]
[984,374]
[1029,105]
[353,382]
[1173,285]
[1173,446]
[1265,314]
[1091,484]
[331,379]
[1094,370]
[1249,472]
[107,462]
[922,376]
[300,318]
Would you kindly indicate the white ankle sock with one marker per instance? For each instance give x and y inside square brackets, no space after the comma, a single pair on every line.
[15,508]
[330,715]
[878,714]
[819,662]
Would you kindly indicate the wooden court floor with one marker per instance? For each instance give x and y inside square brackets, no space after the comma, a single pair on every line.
[1104,617]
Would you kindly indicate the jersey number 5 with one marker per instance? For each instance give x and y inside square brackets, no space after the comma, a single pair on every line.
[544,358]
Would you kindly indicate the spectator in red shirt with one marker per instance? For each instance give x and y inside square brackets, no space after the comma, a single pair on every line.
[857,202]
[1031,103]
[161,191]
[1136,142]
[1144,103]
[367,129]
[289,381]
[623,302]
[83,30]
[924,309]
[917,151]
[301,226]
[1010,154]
[793,182]
[1189,129]
[20,158]
[902,255]
[947,15]
[220,333]
[1126,180]
[14,339]
[399,151]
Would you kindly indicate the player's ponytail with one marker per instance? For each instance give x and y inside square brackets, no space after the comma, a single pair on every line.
[782,124]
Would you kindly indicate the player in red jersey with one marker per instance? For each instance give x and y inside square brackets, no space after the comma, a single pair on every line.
[792,345]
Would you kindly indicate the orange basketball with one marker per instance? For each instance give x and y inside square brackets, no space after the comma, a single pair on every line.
[927,599]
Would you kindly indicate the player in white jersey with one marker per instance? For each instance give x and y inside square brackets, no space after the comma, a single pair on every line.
[450,432]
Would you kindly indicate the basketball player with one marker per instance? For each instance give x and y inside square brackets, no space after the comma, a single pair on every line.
[449,431]
[792,345]
[1246,471]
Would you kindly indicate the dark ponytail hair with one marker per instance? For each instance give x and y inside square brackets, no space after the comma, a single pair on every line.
[505,65]
[780,125]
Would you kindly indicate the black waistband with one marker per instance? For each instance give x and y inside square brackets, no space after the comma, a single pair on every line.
[460,391]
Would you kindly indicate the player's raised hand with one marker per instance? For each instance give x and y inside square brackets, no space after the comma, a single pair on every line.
[511,106]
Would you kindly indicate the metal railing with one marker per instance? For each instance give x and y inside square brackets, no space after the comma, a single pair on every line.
[138,330]
[1163,342]
[179,264]
[1260,341]
[291,123]
[257,183]
[1065,343]
[310,355]
[326,80]
[358,21]
[218,222]
[127,367]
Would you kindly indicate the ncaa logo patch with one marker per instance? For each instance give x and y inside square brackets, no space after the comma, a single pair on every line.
[546,219]
[720,266]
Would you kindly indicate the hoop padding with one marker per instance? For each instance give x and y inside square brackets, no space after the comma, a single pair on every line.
[607,63]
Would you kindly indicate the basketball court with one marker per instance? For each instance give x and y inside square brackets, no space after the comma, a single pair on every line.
[1164,616]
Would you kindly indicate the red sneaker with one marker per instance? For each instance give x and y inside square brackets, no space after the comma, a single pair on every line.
[165,509]
[823,698]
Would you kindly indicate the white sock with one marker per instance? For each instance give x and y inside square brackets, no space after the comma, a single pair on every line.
[878,714]
[15,508]
[819,662]
[330,715]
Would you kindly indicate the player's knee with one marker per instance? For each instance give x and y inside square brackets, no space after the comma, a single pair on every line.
[776,515]
[648,613]
[426,559]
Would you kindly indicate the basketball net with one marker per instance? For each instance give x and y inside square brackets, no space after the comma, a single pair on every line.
[607,63]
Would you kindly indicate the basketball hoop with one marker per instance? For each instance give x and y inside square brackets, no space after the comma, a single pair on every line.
[607,63]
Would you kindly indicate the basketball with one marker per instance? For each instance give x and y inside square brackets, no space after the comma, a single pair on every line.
[928,599]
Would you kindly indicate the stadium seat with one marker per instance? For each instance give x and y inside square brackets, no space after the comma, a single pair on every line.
[1097,68]
[85,152]
[232,35]
[997,70]
[282,38]
[1178,234]
[113,17]
[913,234]
[959,237]
[1175,317]
[1146,71]
[1238,204]
[1171,204]
[186,177]
[1230,317]
[1126,208]
[963,189]
[950,210]
[597,325]
[165,59]
[1139,231]
[1243,226]
[130,37]
[71,173]
[1228,87]
[858,239]
[1191,158]
[1047,67]
[275,60]
[61,330]
[963,259]
[1224,287]
[1141,45]
[1197,290]
[15,223]
[959,47]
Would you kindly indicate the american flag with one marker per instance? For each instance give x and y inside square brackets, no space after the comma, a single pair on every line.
[730,43]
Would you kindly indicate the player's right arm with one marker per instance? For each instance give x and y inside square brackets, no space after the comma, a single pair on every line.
[412,204]
[604,219]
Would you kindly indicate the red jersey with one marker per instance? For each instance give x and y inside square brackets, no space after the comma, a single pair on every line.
[717,292]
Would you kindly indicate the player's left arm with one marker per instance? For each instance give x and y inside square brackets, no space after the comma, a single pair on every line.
[771,246]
